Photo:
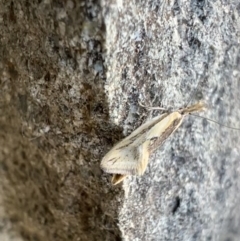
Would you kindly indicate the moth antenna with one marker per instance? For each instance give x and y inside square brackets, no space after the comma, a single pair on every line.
[193,93]
[220,124]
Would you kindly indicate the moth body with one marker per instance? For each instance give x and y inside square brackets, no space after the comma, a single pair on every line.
[130,156]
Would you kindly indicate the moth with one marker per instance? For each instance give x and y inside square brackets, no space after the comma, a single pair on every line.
[131,155]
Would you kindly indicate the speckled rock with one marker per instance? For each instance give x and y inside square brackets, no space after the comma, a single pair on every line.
[171,54]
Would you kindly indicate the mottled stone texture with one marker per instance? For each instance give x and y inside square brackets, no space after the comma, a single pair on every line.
[54,125]
[170,54]
[72,74]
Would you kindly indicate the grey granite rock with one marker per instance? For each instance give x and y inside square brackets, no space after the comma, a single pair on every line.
[170,54]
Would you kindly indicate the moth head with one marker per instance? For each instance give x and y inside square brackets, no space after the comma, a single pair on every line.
[200,106]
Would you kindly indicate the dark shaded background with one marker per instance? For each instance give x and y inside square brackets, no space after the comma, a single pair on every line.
[54,126]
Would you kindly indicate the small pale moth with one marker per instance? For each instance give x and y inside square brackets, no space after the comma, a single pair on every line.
[130,156]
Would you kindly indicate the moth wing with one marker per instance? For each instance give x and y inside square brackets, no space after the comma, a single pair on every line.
[127,161]
[130,156]
[163,129]
[139,166]
[143,152]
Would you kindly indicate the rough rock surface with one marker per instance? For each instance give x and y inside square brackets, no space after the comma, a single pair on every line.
[173,53]
[71,76]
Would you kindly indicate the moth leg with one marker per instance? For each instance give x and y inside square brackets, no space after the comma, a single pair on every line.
[117,178]
[151,107]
